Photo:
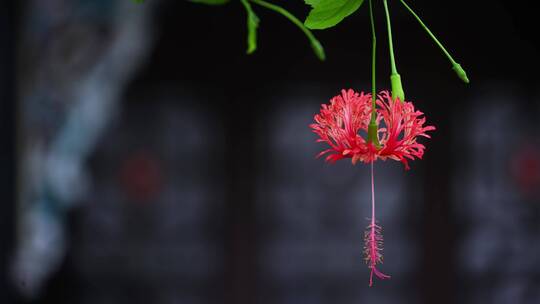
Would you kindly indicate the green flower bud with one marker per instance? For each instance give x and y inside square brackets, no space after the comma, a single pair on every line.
[397,88]
[460,72]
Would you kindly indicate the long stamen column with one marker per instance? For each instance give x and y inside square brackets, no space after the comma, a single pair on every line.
[374,239]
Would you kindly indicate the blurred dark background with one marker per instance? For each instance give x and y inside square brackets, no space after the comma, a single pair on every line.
[147,159]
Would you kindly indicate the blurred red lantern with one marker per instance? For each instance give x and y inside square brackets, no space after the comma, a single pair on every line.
[141,176]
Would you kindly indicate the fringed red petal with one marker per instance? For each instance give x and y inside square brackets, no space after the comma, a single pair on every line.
[339,123]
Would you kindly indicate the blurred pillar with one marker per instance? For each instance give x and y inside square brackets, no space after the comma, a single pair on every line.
[7,137]
[241,235]
[438,226]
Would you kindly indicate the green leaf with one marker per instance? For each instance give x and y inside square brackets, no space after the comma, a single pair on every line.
[252,25]
[313,3]
[138,1]
[210,2]
[328,13]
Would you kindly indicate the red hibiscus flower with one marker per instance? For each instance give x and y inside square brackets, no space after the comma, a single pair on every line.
[344,122]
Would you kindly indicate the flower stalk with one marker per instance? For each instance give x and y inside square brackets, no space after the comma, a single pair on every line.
[455,66]
[372,127]
[395,78]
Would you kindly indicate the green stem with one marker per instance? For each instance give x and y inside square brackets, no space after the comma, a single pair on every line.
[373,56]
[372,127]
[456,66]
[390,43]
[252,22]
[395,79]
[315,44]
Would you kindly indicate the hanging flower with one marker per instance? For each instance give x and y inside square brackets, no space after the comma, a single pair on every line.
[344,123]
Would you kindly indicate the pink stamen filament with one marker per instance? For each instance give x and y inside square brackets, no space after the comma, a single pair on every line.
[375,239]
